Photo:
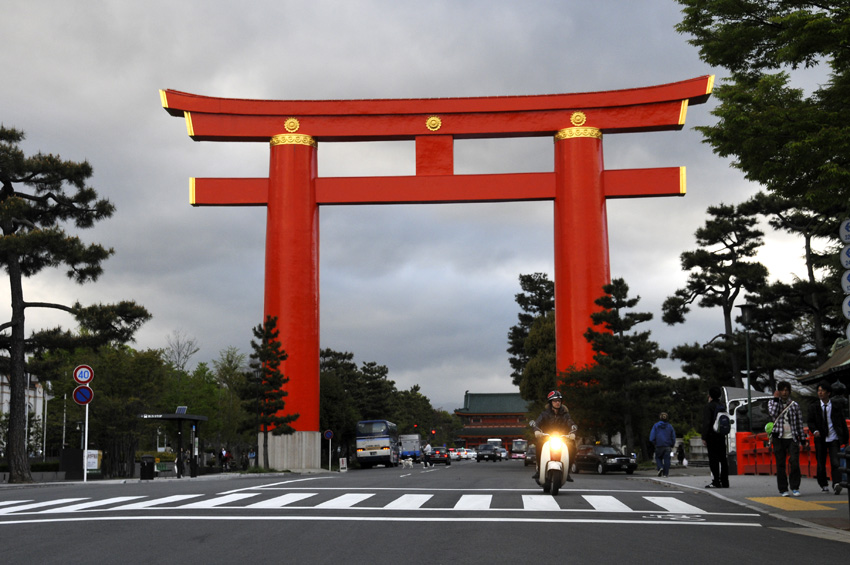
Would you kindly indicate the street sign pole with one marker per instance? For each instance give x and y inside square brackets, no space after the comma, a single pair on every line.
[86,447]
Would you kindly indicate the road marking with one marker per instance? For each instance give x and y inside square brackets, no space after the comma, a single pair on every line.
[212,503]
[345,501]
[606,503]
[90,504]
[674,505]
[156,502]
[8,502]
[790,504]
[409,501]
[340,518]
[539,502]
[474,502]
[283,500]
[32,505]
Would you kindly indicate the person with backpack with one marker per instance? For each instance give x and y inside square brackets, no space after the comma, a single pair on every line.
[715,441]
[786,438]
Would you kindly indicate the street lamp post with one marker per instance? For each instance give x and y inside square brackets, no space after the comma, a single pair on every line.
[747,318]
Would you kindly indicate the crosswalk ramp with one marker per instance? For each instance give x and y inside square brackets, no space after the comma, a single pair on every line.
[319,500]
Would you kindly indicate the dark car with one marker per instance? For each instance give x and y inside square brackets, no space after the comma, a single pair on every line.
[441,455]
[487,451]
[530,455]
[603,459]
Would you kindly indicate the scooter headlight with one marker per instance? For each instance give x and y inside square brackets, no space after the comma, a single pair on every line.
[555,447]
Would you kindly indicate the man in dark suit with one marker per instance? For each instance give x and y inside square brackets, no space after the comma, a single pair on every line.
[827,422]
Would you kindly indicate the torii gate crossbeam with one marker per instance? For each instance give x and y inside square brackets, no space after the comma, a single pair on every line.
[293,192]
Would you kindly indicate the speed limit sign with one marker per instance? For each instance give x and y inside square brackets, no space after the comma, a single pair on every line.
[83,374]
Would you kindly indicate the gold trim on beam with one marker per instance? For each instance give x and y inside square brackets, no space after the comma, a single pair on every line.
[192,191]
[683,181]
[291,139]
[163,97]
[710,86]
[189,126]
[683,112]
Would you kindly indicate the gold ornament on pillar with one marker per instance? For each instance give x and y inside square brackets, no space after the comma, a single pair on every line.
[291,125]
[578,120]
[293,139]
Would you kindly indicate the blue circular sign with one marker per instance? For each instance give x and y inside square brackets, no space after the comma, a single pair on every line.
[83,395]
[328,434]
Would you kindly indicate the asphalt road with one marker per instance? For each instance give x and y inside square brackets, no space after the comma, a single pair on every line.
[465,513]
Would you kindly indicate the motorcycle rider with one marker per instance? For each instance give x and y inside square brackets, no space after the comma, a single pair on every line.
[555,420]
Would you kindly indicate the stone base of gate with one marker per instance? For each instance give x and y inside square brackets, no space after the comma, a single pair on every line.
[300,451]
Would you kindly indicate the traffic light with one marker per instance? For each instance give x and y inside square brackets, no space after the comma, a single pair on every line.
[433,432]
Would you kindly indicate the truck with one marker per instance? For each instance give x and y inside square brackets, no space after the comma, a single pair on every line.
[411,446]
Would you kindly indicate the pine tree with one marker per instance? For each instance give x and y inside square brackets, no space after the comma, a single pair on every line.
[39,196]
[268,355]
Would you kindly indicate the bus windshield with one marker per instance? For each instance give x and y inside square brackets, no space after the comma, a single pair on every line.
[373,428]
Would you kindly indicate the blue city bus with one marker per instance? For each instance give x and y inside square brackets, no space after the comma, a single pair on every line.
[377,443]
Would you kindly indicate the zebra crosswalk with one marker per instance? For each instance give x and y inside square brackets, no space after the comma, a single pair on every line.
[319,499]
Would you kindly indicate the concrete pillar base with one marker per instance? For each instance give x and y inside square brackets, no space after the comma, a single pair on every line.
[300,451]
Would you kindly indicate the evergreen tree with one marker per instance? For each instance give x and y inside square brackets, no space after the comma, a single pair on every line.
[267,356]
[615,394]
[792,144]
[536,300]
[720,270]
[39,196]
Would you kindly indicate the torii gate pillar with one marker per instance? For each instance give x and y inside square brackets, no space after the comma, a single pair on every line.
[581,239]
[293,193]
[292,290]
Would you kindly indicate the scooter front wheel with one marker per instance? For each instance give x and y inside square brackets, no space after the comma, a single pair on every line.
[555,481]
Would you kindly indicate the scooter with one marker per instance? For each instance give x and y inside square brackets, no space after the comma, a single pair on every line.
[554,463]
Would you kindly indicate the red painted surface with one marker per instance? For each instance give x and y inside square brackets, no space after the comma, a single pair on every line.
[578,187]
[292,275]
[581,246]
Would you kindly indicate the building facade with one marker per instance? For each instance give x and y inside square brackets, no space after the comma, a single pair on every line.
[492,415]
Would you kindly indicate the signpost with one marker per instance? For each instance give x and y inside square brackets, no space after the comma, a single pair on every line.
[328,436]
[83,395]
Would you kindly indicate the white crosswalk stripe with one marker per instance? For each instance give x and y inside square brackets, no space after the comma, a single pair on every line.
[283,500]
[474,502]
[227,499]
[90,504]
[346,500]
[606,503]
[314,500]
[32,505]
[409,501]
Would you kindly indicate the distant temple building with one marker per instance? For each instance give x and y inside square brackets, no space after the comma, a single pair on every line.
[492,415]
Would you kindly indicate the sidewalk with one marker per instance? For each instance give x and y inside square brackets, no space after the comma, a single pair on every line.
[812,509]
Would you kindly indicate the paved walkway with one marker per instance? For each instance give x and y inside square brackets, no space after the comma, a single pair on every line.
[827,514]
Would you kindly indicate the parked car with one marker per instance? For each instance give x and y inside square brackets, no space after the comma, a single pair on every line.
[602,459]
[531,455]
[441,455]
[486,451]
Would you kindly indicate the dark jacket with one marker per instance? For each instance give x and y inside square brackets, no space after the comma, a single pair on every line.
[550,422]
[708,414]
[663,434]
[817,423]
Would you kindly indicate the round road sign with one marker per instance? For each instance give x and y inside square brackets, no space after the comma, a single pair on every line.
[83,374]
[83,395]
[328,434]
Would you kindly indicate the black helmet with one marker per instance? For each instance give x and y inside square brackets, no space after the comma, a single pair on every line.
[554,395]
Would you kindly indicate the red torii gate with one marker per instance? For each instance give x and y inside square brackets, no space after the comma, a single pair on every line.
[293,192]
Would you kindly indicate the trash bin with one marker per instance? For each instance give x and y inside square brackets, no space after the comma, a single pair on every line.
[147,469]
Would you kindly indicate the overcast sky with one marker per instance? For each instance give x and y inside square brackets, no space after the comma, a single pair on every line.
[427,290]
